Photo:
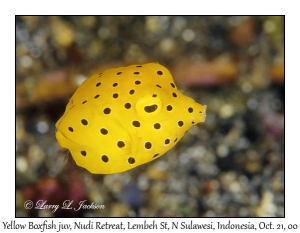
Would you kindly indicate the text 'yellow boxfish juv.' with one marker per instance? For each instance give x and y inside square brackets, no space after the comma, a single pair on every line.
[124,117]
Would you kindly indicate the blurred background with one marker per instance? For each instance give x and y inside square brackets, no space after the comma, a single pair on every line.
[230,166]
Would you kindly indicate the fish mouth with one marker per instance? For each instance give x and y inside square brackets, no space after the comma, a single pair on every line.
[63,141]
[61,138]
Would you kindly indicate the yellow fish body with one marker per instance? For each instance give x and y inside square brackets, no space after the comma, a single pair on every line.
[125,117]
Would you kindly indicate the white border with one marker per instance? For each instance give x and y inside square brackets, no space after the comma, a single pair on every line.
[7,42]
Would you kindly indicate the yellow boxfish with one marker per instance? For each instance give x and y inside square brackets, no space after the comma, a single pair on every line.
[124,117]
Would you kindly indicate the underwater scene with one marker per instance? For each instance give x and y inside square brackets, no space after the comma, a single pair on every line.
[150,116]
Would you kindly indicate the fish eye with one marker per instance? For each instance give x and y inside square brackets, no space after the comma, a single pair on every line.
[148,107]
